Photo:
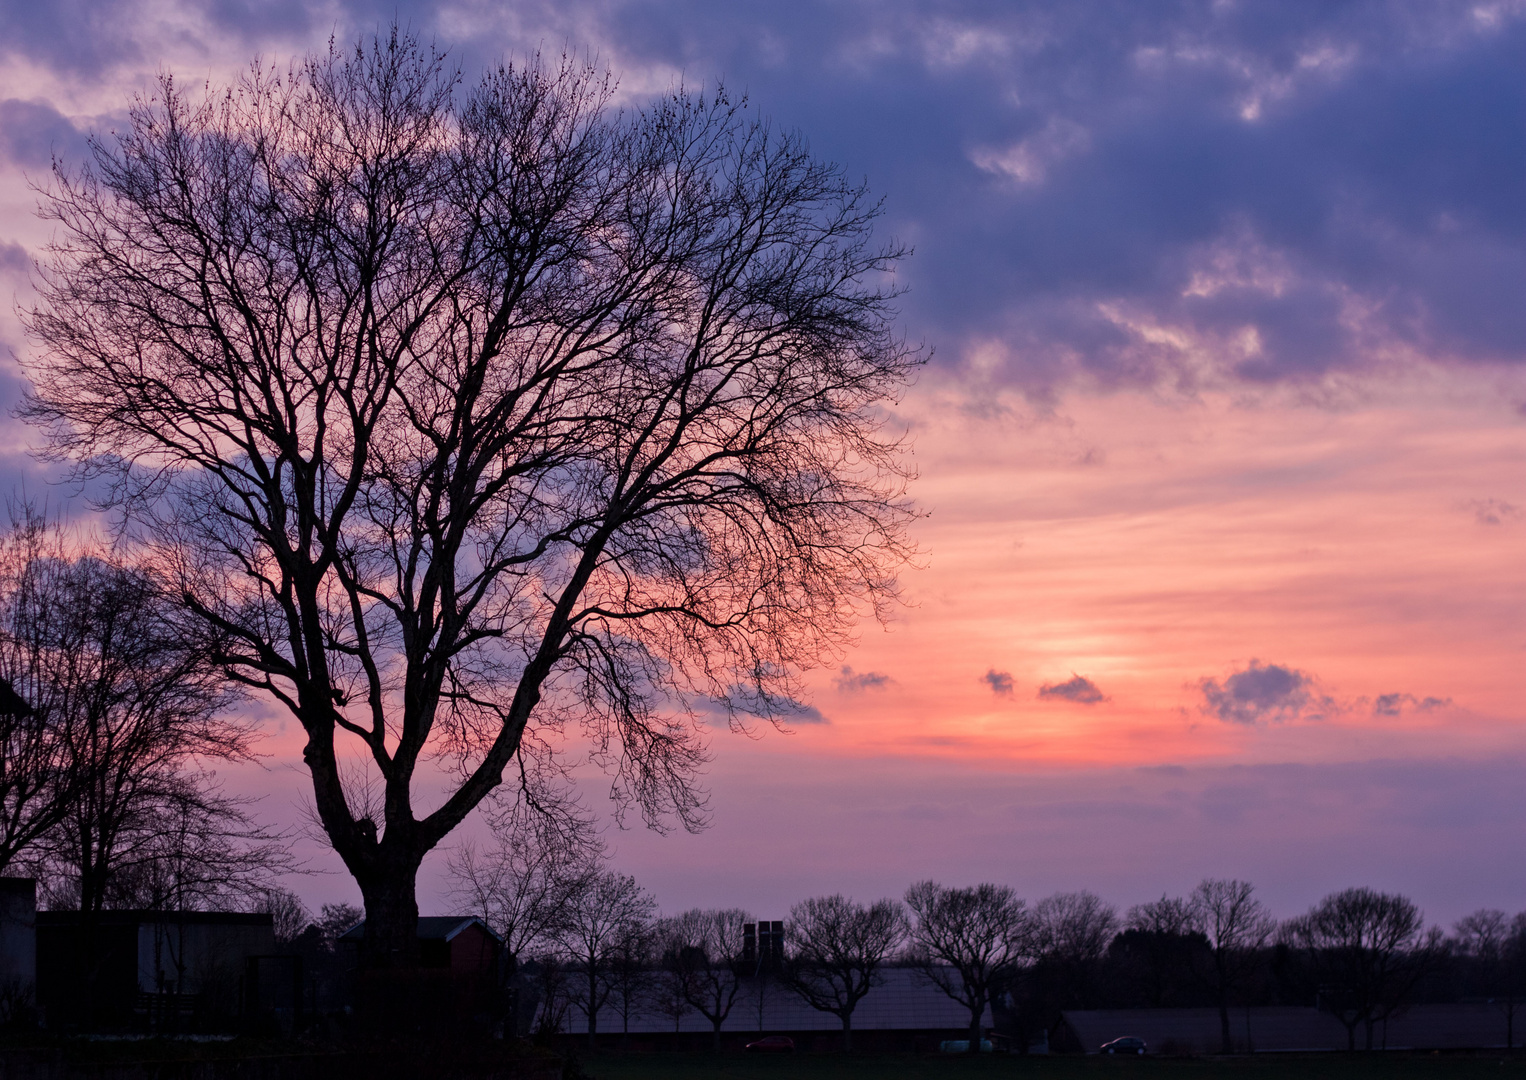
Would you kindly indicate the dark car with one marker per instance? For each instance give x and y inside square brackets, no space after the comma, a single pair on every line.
[1126,1045]
[774,1044]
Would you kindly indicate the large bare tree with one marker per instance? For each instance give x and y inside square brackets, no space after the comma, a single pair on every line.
[468,413]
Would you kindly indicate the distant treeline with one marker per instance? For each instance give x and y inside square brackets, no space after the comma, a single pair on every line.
[597,945]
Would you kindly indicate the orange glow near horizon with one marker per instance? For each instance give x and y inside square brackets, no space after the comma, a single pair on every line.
[1147,544]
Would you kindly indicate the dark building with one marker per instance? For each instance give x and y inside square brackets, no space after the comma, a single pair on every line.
[159,970]
[18,948]
[763,944]
[460,944]
[457,983]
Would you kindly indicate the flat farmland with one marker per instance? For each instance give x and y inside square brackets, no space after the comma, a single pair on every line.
[736,1066]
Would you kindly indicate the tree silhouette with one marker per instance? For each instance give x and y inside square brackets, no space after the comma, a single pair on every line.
[968,942]
[462,416]
[702,950]
[1237,927]
[1495,945]
[36,786]
[1369,950]
[601,918]
[836,948]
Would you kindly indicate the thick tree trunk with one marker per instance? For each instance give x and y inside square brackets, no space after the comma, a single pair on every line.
[1228,1043]
[391,937]
[976,1012]
[847,1033]
[593,1006]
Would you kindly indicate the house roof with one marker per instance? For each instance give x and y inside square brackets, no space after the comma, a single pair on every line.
[139,916]
[430,928]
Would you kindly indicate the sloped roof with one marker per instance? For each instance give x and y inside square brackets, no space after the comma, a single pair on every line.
[904,1002]
[431,928]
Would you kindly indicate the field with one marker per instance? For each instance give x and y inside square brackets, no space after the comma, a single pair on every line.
[701,1066]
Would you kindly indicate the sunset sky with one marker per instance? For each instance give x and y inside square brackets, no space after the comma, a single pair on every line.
[1221,449]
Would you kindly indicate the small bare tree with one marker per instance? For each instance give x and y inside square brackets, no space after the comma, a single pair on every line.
[703,950]
[1173,915]
[968,942]
[1071,934]
[35,783]
[1237,926]
[529,879]
[462,415]
[336,920]
[667,991]
[1369,950]
[632,972]
[601,917]
[1495,945]
[836,949]
[1161,941]
[288,913]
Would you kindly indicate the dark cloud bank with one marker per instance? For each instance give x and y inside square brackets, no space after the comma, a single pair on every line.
[33,132]
[1301,186]
[1305,186]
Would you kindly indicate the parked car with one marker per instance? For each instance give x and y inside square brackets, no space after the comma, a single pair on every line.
[962,1046]
[1126,1045]
[773,1044]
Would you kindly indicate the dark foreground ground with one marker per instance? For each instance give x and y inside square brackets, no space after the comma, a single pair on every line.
[735,1066]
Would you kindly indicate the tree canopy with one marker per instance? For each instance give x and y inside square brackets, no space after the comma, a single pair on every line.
[470,416]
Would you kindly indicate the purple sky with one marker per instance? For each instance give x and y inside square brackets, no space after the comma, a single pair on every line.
[1222,439]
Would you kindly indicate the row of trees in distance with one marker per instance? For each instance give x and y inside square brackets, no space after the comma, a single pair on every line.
[111,716]
[1360,954]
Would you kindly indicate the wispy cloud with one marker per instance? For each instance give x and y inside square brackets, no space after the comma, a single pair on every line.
[1394,704]
[1077,688]
[1492,511]
[1000,682]
[745,699]
[849,681]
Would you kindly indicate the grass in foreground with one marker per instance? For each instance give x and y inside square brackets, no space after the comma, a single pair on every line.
[737,1066]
